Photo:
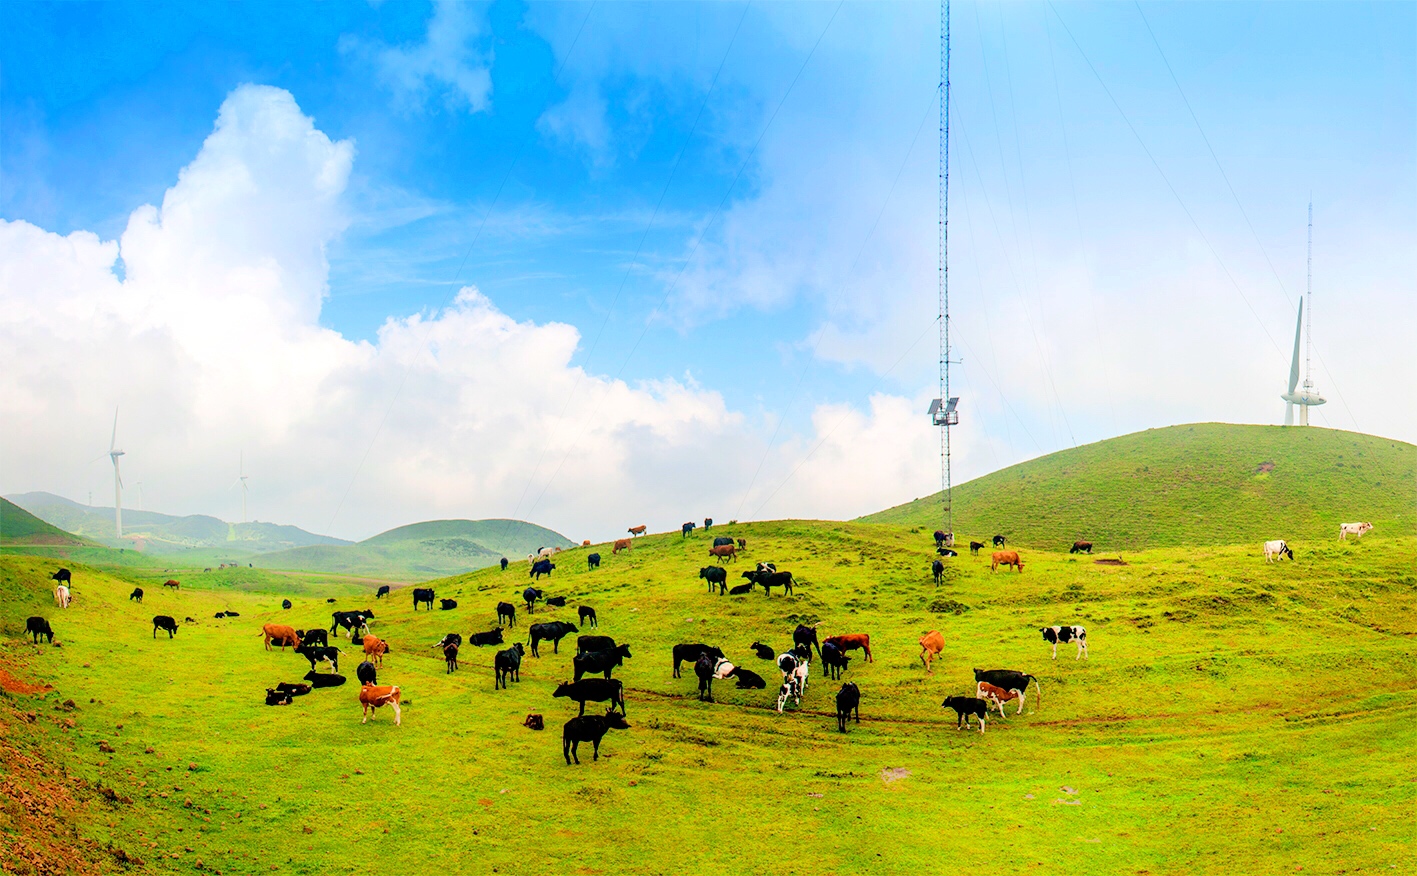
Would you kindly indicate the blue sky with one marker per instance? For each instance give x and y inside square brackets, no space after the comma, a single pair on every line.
[703,209]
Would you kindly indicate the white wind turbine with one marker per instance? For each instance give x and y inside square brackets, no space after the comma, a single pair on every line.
[1304,396]
[241,479]
[113,454]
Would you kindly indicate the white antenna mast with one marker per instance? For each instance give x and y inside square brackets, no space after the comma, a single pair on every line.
[942,410]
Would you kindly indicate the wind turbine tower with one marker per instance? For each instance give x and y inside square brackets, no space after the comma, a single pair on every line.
[241,479]
[1306,396]
[113,454]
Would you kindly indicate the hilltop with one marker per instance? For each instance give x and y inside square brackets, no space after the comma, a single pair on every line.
[20,527]
[1201,484]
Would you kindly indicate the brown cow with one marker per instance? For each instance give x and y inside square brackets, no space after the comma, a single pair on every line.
[998,696]
[585,543]
[931,644]
[372,696]
[724,550]
[281,633]
[174,583]
[621,544]
[374,649]
[850,642]
[638,530]
[1006,558]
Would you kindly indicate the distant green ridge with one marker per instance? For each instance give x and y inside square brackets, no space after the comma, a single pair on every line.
[18,526]
[1201,484]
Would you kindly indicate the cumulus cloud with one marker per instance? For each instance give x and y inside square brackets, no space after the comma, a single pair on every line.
[208,341]
[447,62]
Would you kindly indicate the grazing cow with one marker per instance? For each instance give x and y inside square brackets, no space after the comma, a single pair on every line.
[724,550]
[998,696]
[38,626]
[596,690]
[323,679]
[1081,547]
[939,537]
[741,589]
[747,679]
[62,597]
[998,541]
[686,529]
[63,576]
[762,651]
[721,540]
[708,523]
[588,728]
[852,641]
[316,653]
[806,637]
[272,632]
[964,707]
[366,673]
[529,596]
[592,561]
[450,656]
[637,530]
[1358,529]
[715,575]
[507,665]
[1276,549]
[312,637]
[585,543]
[491,637]
[1006,558]
[1066,634]
[374,650]
[587,616]
[931,644]
[504,564]
[770,579]
[1009,679]
[447,604]
[382,591]
[556,602]
[704,668]
[277,698]
[423,595]
[742,544]
[690,654]
[848,700]
[834,660]
[136,595]
[552,632]
[541,567]
[331,599]
[594,643]
[937,569]
[173,583]
[508,612]
[372,696]
[947,552]
[169,624]
[974,547]
[294,689]
[350,620]
[604,662]
[621,544]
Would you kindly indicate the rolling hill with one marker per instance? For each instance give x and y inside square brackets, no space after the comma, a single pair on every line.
[20,527]
[1201,484]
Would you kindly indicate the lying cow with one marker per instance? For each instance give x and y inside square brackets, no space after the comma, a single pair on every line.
[556,601]
[1277,549]
[447,604]
[965,707]
[1357,529]
[747,679]
[589,728]
[1066,634]
[372,696]
[507,665]
[491,637]
[741,589]
[1006,558]
[598,690]
[763,652]
[277,697]
[323,679]
[293,688]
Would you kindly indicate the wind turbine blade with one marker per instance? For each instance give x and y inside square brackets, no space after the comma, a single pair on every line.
[234,483]
[113,441]
[1298,332]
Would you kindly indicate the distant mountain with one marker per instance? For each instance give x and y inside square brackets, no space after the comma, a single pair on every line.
[151,532]
[420,551]
[20,527]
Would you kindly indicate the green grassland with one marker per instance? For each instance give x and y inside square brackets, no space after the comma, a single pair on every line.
[20,527]
[1201,484]
[1235,717]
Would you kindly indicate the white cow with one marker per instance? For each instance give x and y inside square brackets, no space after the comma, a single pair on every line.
[1277,549]
[1347,529]
[61,596]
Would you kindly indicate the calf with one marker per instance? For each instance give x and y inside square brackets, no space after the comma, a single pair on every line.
[1006,558]
[964,707]
[552,632]
[277,697]
[508,612]
[588,728]
[322,679]
[594,643]
[136,595]
[541,567]
[372,696]
[447,604]
[1081,547]
[168,623]
[1009,679]
[600,662]
[507,664]
[38,626]
[998,696]
[852,641]
[715,575]
[747,679]
[294,689]
[586,614]
[691,653]
[598,690]
[366,673]
[834,660]
[382,591]
[848,700]
[1066,634]
[741,589]
[806,637]
[947,552]
[423,596]
[316,653]
[931,644]
[1276,549]
[592,561]
[491,637]
[1344,530]
[450,656]
[974,547]
[374,649]
[998,541]
[763,651]
[313,637]
[557,602]
[529,596]
[937,569]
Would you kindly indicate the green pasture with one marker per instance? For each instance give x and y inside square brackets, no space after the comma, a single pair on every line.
[1235,717]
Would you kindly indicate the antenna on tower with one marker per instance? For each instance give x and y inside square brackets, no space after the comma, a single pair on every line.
[943,411]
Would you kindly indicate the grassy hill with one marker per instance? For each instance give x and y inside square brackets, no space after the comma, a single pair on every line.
[1261,711]
[19,527]
[1203,484]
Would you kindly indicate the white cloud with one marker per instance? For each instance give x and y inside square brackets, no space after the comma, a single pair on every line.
[446,62]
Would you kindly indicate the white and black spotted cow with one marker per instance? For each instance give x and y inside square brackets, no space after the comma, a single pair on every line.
[1066,634]
[1276,549]
[794,678]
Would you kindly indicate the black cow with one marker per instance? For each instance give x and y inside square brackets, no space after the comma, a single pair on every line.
[331,599]
[447,604]
[552,632]
[604,662]
[741,589]
[721,540]
[529,596]
[350,620]
[1085,547]
[742,544]
[708,523]
[937,569]
[1009,679]
[589,728]
[164,622]
[136,595]
[556,602]
[966,706]
[285,603]
[504,564]
[508,612]
[317,653]
[848,700]
[541,567]
[715,575]
[835,660]
[946,552]
[974,547]
[690,654]
[491,637]
[323,679]
[763,651]
[366,673]
[598,690]
[294,689]
[587,614]
[230,613]
[312,637]
[277,697]
[770,579]
[382,591]
[806,637]
[507,664]
[423,595]
[450,656]
[939,537]
[998,541]
[38,626]
[703,668]
[747,679]
[594,643]
[592,561]
[686,529]
[63,576]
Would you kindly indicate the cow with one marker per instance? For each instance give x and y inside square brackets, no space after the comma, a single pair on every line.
[1065,634]
[539,568]
[592,561]
[556,601]
[931,644]
[998,696]
[1006,558]
[374,650]
[455,638]
[621,544]
[272,632]
[794,679]
[316,653]
[587,616]
[1009,679]
[173,583]
[507,665]
[545,553]
[763,652]
[508,612]
[491,637]
[747,679]
[937,569]
[323,679]
[589,728]
[770,579]
[1358,529]
[447,604]
[939,537]
[741,589]
[594,643]
[721,540]
[312,637]
[848,700]
[136,595]
[424,596]
[715,575]
[998,541]
[1081,547]
[964,707]
[166,623]
[729,551]
[366,673]
[742,544]
[294,689]
[690,654]
[277,697]
[504,564]
[359,630]
[230,613]
[38,626]
[450,656]
[585,543]
[636,530]
[852,641]
[1277,549]
[382,591]
[596,690]
[686,529]
[947,552]
[708,524]
[285,604]
[63,576]
[350,620]
[835,661]
[529,596]
[604,662]
[552,632]
[62,597]
[372,696]
[805,636]
[705,668]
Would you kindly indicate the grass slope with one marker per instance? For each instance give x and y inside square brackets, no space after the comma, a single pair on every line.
[1235,716]
[20,527]
[1203,484]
